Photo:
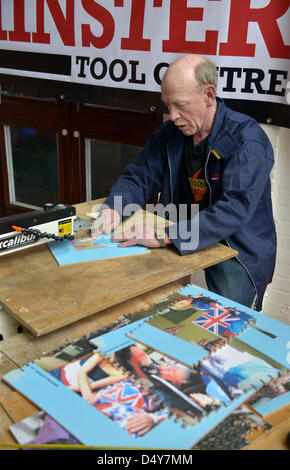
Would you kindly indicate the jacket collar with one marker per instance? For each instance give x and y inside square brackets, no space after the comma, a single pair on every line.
[222,141]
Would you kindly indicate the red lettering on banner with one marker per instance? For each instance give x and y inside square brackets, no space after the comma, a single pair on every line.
[19,33]
[65,26]
[157,3]
[40,36]
[135,41]
[182,17]
[241,15]
[179,15]
[107,21]
[3,34]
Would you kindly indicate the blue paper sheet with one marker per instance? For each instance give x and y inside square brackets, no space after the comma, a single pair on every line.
[80,250]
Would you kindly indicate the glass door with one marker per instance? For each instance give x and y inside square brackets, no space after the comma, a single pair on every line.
[105,161]
[36,160]
[33,166]
[107,141]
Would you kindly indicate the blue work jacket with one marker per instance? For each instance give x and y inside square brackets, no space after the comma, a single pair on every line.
[237,170]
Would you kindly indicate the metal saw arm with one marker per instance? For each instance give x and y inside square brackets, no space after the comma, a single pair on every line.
[56,222]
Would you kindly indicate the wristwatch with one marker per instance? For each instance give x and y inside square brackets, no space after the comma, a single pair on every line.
[160,236]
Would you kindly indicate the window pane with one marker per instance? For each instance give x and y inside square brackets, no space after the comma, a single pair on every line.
[32,159]
[105,163]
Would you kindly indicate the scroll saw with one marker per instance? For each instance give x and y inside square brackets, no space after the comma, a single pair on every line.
[53,222]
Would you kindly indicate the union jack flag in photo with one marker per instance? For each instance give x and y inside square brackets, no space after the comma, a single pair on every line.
[221,322]
[124,400]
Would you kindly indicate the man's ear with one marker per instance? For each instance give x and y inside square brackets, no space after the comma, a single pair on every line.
[209,94]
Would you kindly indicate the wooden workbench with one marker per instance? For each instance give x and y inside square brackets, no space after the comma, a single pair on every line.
[44,296]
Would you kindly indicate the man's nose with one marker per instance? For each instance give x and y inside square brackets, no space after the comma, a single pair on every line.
[173,114]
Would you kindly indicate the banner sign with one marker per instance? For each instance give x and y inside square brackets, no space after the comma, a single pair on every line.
[128,44]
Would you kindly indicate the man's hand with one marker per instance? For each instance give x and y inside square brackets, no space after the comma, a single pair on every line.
[139,235]
[107,222]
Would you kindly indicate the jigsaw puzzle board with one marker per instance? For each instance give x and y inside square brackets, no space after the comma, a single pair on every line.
[134,388]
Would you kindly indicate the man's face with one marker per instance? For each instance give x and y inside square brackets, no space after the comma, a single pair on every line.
[187,107]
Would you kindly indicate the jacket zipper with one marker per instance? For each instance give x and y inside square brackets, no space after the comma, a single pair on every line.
[170,176]
[205,167]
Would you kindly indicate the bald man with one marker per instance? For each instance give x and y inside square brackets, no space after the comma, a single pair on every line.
[213,158]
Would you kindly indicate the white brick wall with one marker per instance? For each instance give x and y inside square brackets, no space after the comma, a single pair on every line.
[277,297]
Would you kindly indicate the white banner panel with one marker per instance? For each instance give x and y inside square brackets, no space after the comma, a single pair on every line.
[129,43]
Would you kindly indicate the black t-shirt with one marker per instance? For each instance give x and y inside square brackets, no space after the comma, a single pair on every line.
[193,186]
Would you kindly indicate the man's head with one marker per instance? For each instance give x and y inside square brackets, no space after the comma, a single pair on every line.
[189,91]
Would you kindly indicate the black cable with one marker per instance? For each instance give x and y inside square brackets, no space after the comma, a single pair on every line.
[40,234]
